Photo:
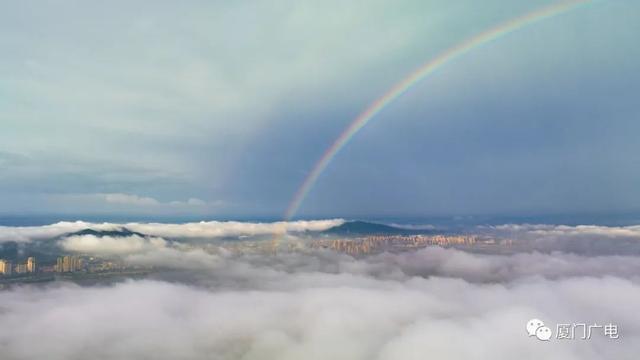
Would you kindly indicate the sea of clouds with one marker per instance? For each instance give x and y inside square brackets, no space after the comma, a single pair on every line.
[433,303]
[203,229]
[585,239]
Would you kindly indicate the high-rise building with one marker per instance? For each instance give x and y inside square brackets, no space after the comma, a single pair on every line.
[21,268]
[68,264]
[5,267]
[31,264]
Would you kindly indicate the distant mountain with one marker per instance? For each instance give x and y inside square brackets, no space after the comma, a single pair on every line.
[122,232]
[368,228]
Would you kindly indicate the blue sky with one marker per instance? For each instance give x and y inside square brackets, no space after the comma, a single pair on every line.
[222,108]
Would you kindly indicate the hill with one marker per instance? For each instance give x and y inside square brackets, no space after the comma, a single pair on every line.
[122,232]
[369,228]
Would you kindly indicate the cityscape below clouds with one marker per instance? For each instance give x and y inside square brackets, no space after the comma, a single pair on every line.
[330,288]
[306,180]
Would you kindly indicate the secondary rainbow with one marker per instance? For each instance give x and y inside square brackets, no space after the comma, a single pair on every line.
[424,70]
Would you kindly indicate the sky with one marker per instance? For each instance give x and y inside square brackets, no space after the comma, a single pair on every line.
[214,109]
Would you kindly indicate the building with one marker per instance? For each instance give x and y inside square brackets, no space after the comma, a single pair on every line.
[21,269]
[68,264]
[31,265]
[6,267]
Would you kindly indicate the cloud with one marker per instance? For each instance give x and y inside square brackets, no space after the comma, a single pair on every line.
[169,100]
[250,268]
[583,239]
[127,199]
[193,90]
[557,231]
[588,239]
[436,261]
[204,301]
[255,270]
[34,233]
[414,226]
[189,202]
[309,314]
[216,229]
[204,229]
[108,245]
[135,200]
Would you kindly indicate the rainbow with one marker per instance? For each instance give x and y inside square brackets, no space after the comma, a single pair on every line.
[423,71]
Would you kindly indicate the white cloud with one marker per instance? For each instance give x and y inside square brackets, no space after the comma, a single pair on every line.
[255,269]
[436,261]
[135,200]
[189,202]
[545,230]
[580,239]
[312,315]
[31,233]
[319,304]
[414,226]
[204,229]
[127,199]
[108,245]
[213,229]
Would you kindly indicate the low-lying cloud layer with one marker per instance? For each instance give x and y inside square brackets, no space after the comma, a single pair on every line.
[254,271]
[325,306]
[585,239]
[109,245]
[203,229]
[206,302]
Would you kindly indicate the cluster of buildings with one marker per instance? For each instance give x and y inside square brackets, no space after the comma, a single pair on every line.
[63,264]
[371,244]
[73,264]
[28,267]
[365,244]
[66,264]
[353,246]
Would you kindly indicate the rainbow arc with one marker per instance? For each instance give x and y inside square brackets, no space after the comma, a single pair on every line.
[416,76]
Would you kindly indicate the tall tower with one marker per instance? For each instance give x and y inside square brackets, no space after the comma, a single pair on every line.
[5,267]
[31,264]
[66,264]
